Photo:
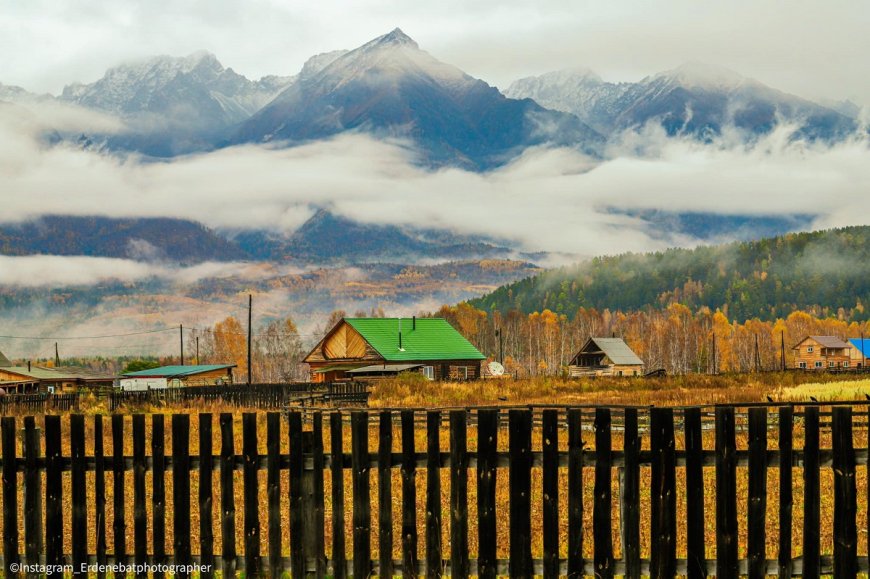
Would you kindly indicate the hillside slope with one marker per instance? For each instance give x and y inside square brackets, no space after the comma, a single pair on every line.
[765,278]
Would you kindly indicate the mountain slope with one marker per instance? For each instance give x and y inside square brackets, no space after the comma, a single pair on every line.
[142,238]
[390,88]
[175,105]
[766,278]
[694,99]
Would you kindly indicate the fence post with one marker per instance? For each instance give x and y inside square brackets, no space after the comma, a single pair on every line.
[206,500]
[696,565]
[361,473]
[336,449]
[786,458]
[158,499]
[228,501]
[32,493]
[845,499]
[410,566]
[181,490]
[726,494]
[385,491]
[575,494]
[297,463]
[520,483]
[487,451]
[601,508]
[54,528]
[663,487]
[757,517]
[10,496]
[811,493]
[550,487]
[251,493]
[434,562]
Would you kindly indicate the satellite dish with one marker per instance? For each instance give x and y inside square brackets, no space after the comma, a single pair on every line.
[495,368]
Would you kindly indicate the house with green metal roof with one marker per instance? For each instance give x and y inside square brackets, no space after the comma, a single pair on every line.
[355,347]
[178,376]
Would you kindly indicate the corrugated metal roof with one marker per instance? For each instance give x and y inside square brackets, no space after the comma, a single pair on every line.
[174,371]
[433,339]
[384,368]
[862,348]
[617,350]
[40,373]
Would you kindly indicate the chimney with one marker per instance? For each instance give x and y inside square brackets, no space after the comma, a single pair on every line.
[413,323]
[400,334]
[28,365]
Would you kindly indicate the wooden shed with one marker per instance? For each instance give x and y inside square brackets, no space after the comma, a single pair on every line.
[605,357]
[178,376]
[432,344]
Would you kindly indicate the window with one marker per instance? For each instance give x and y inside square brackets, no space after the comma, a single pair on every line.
[802,365]
[846,364]
[832,364]
[818,364]
[810,349]
[429,372]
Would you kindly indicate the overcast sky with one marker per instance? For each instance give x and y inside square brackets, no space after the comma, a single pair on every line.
[810,48]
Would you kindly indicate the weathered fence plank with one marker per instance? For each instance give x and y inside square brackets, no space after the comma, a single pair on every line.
[602,526]
[487,450]
[811,563]
[78,488]
[845,499]
[757,509]
[206,499]
[228,500]
[158,492]
[251,485]
[663,492]
[575,494]
[459,566]
[434,562]
[520,488]
[726,495]
[786,500]
[361,477]
[33,535]
[410,565]
[385,493]
[550,488]
[696,557]
[140,516]
[339,560]
[181,491]
[273,490]
[54,523]
[119,527]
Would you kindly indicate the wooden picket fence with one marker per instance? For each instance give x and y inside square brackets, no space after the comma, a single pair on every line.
[562,450]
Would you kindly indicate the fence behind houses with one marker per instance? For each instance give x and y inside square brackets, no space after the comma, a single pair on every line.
[575,444]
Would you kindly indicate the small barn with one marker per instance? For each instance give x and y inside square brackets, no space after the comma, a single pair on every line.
[605,357]
[356,347]
[822,353]
[178,377]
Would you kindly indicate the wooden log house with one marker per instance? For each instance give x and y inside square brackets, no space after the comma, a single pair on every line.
[822,353]
[430,346]
[178,376]
[32,379]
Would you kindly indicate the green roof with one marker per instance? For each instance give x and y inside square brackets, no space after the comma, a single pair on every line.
[433,339]
[174,371]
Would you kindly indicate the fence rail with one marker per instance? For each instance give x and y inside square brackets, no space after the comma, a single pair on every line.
[260,396]
[298,468]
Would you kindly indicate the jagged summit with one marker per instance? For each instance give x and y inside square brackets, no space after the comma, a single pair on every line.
[701,75]
[395,37]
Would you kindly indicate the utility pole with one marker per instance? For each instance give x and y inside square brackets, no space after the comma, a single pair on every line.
[782,350]
[757,358]
[250,317]
[181,342]
[863,355]
[500,346]
[714,353]
[197,350]
[57,356]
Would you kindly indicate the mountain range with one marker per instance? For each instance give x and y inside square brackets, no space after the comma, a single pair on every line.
[391,88]
[324,239]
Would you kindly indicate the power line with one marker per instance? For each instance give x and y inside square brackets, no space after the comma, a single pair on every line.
[88,337]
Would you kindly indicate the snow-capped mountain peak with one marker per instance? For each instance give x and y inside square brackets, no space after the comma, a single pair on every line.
[702,76]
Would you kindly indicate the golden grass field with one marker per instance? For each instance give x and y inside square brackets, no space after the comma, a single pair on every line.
[661,392]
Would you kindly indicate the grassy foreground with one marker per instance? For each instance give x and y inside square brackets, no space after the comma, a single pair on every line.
[413,391]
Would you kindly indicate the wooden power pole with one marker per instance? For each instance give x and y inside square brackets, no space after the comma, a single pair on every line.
[181,342]
[782,350]
[250,318]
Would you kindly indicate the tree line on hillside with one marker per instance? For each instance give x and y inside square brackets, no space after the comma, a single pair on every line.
[824,271]
[676,338]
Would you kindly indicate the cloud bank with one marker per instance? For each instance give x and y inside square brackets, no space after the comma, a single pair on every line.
[555,200]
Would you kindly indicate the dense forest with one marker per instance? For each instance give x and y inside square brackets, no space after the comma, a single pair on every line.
[824,271]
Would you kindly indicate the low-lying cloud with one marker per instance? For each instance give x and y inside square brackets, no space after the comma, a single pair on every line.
[65,271]
[556,200]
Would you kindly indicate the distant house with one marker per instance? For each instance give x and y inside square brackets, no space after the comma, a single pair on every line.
[605,357]
[33,379]
[860,352]
[381,346]
[822,353]
[178,376]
